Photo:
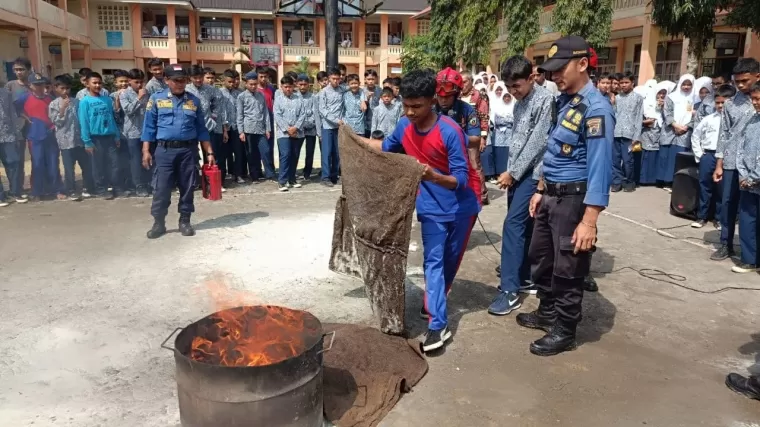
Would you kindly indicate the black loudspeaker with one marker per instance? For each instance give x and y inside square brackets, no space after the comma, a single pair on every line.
[684,200]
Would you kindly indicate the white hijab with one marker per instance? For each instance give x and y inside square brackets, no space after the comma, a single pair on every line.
[683,102]
[650,103]
[497,104]
[704,82]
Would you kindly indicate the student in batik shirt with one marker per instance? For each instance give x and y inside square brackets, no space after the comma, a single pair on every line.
[331,116]
[156,83]
[236,148]
[10,134]
[386,114]
[629,114]
[254,127]
[133,101]
[650,132]
[289,116]
[354,105]
[676,131]
[121,83]
[372,93]
[22,67]
[311,122]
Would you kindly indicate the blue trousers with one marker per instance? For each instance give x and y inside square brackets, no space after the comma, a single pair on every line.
[257,152]
[444,245]
[238,151]
[270,144]
[46,172]
[10,158]
[174,166]
[140,176]
[622,162]
[330,155]
[709,190]
[105,164]
[311,144]
[289,150]
[749,207]
[729,206]
[487,161]
[648,170]
[70,158]
[220,152]
[516,234]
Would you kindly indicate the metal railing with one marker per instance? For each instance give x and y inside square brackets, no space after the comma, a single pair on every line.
[668,70]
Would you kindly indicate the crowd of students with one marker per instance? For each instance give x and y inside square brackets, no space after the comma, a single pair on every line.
[100,131]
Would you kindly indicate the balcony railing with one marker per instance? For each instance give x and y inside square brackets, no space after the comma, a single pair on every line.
[301,51]
[155,43]
[627,4]
[348,51]
[395,50]
[628,8]
[546,22]
[215,48]
[183,47]
[20,7]
[50,14]
[374,53]
[77,25]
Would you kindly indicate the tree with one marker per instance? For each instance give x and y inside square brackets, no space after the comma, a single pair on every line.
[304,67]
[477,29]
[417,53]
[523,28]
[744,13]
[443,30]
[590,19]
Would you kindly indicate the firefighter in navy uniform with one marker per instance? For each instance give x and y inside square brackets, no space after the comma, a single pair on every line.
[574,189]
[174,123]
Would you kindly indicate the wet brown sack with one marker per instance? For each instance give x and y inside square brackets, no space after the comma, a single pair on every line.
[373,222]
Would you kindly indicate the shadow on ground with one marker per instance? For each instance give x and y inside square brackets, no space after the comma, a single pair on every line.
[230,220]
[752,348]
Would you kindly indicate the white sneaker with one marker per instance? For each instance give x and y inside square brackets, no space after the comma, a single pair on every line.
[21,200]
[86,195]
[698,224]
[224,190]
[297,185]
[283,188]
[4,203]
[669,190]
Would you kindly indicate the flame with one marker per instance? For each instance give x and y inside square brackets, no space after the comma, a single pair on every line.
[248,335]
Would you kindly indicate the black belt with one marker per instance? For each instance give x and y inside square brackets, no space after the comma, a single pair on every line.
[559,189]
[710,151]
[177,144]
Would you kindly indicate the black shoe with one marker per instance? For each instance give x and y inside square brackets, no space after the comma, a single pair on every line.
[109,196]
[724,252]
[184,226]
[589,284]
[616,188]
[142,193]
[485,201]
[629,188]
[158,229]
[435,339]
[327,183]
[424,315]
[749,387]
[498,271]
[716,225]
[561,338]
[542,318]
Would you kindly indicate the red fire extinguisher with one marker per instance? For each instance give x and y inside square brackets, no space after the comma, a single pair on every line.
[212,183]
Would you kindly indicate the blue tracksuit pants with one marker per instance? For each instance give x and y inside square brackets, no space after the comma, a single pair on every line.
[444,245]
[515,237]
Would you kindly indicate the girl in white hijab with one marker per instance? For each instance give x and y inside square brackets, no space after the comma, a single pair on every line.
[704,102]
[677,127]
[502,117]
[492,82]
[650,135]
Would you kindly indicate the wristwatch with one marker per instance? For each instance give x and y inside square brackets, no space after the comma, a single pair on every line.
[541,191]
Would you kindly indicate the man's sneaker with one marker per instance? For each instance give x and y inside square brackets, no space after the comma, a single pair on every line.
[424,315]
[724,252]
[296,185]
[283,187]
[86,195]
[749,387]
[716,224]
[616,188]
[110,189]
[699,223]
[744,268]
[239,181]
[75,197]
[668,190]
[142,193]
[435,339]
[108,196]
[22,200]
[504,303]
[629,188]
[327,183]
[224,190]
[528,287]
[4,203]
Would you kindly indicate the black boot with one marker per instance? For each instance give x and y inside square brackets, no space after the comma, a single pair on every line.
[561,338]
[543,318]
[749,387]
[589,284]
[184,225]
[158,229]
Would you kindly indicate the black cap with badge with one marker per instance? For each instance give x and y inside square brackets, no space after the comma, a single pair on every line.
[175,71]
[564,50]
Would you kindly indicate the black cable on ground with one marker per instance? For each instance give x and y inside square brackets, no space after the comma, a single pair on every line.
[649,273]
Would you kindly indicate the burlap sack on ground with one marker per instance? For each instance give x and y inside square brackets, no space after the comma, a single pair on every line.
[365,374]
[373,221]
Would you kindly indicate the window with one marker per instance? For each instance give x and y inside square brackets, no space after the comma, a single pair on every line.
[668,64]
[395,32]
[298,33]
[373,34]
[346,33]
[246,35]
[113,18]
[183,27]
[216,29]
[264,31]
[423,26]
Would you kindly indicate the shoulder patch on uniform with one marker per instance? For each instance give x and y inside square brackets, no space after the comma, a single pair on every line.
[595,127]
[473,120]
[576,100]
[149,105]
[164,103]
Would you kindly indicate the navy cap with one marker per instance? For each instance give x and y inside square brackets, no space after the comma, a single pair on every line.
[38,79]
[251,75]
[564,50]
[303,77]
[173,71]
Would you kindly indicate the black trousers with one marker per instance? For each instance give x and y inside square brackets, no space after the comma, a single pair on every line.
[559,273]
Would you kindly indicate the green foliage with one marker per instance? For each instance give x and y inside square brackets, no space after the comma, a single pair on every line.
[522,25]
[744,13]
[416,53]
[693,19]
[477,29]
[304,67]
[590,19]
[443,30]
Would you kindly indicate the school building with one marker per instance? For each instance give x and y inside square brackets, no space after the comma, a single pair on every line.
[63,35]
[638,46]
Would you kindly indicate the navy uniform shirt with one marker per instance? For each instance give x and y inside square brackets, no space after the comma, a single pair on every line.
[580,144]
[465,116]
[174,118]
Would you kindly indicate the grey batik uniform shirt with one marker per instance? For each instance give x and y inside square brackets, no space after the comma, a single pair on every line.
[9,129]
[352,110]
[134,113]
[155,86]
[748,154]
[330,107]
[211,106]
[311,113]
[372,104]
[736,114]
[629,113]
[385,118]
[668,135]
[66,124]
[252,113]
[289,112]
[229,99]
[532,121]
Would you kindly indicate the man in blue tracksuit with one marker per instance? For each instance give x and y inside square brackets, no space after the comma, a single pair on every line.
[175,123]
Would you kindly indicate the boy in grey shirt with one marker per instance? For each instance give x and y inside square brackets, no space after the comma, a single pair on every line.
[254,128]
[133,101]
[629,111]
[386,114]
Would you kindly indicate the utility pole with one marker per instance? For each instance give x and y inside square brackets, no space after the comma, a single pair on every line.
[331,26]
